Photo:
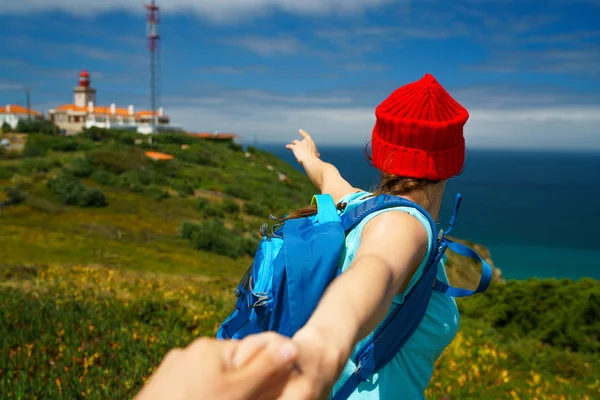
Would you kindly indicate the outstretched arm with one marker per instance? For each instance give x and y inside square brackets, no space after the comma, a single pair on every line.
[392,245]
[326,177]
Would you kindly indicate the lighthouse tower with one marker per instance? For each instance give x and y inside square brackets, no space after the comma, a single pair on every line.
[83,93]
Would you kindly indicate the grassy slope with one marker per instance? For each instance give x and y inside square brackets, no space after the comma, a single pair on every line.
[93,297]
[132,232]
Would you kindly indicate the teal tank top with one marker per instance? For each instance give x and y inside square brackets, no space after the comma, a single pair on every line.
[407,375]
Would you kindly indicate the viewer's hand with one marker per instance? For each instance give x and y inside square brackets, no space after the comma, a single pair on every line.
[319,366]
[212,369]
[304,148]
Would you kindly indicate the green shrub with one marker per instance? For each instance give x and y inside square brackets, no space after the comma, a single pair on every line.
[202,203]
[72,192]
[174,138]
[141,177]
[7,171]
[15,195]
[118,161]
[45,127]
[80,168]
[35,142]
[127,138]
[183,188]
[229,206]
[166,168]
[38,165]
[561,313]
[157,193]
[196,156]
[239,191]
[10,154]
[212,210]
[131,180]
[242,225]
[92,197]
[22,182]
[255,209]
[32,150]
[104,178]
[235,147]
[213,236]
[96,134]
[250,245]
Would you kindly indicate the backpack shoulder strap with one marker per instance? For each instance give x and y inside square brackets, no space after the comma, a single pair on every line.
[353,217]
[399,326]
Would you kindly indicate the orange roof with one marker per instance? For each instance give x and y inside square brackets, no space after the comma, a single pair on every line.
[147,113]
[144,113]
[16,109]
[204,135]
[71,107]
[158,156]
[106,111]
[97,110]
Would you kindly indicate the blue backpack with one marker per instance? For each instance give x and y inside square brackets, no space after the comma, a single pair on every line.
[295,263]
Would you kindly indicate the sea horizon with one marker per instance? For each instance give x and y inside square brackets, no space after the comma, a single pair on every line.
[534,210]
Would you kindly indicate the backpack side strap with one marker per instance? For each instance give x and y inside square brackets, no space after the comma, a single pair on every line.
[326,210]
[484,280]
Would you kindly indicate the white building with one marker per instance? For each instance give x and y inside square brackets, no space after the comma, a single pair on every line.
[85,113]
[12,114]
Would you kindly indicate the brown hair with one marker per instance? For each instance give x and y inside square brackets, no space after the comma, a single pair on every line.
[388,184]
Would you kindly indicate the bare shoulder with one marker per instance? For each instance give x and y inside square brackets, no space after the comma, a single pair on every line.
[396,237]
[394,225]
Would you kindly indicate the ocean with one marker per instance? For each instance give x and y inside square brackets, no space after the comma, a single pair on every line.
[537,212]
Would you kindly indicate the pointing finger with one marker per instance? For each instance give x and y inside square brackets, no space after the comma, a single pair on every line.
[304,134]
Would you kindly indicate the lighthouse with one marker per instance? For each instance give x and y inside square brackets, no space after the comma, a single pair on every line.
[84,94]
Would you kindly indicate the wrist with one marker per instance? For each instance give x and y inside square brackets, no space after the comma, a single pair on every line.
[335,347]
[310,160]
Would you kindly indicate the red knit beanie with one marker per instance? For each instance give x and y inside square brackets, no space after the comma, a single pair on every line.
[419,132]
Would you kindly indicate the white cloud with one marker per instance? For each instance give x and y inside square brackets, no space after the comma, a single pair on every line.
[268,45]
[581,61]
[11,86]
[333,120]
[362,67]
[217,10]
[222,70]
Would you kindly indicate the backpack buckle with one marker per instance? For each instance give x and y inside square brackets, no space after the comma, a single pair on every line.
[440,238]
[261,297]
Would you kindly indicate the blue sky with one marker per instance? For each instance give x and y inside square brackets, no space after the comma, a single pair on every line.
[527,71]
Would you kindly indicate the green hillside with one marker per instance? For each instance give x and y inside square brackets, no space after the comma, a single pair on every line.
[108,258]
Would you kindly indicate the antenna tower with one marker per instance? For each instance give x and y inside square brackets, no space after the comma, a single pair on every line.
[153,37]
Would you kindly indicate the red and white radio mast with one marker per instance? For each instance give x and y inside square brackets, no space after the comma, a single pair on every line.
[153,37]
